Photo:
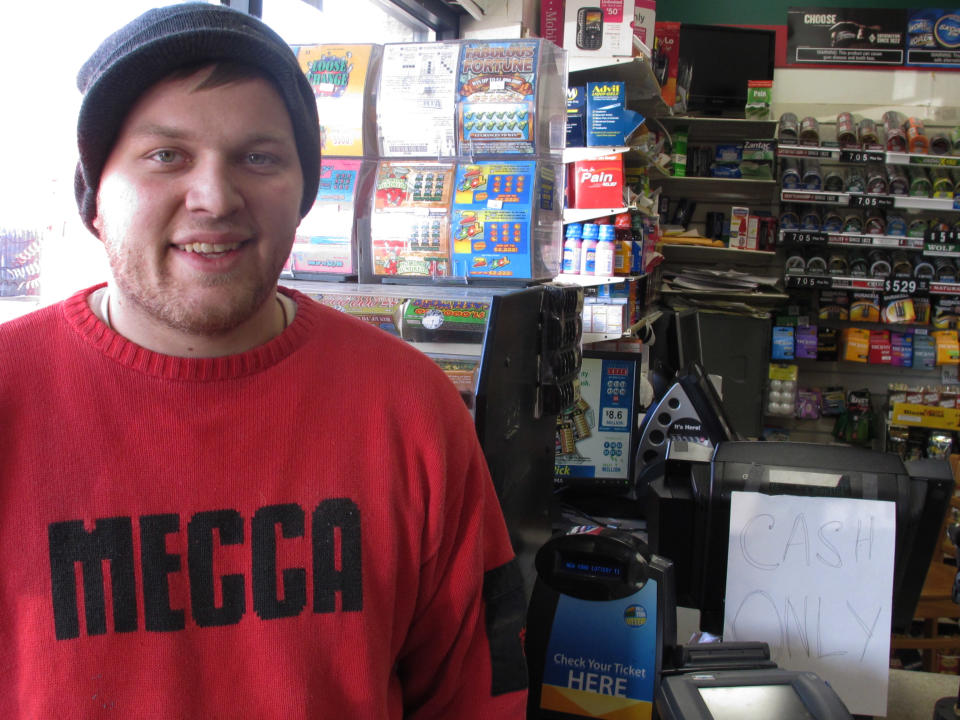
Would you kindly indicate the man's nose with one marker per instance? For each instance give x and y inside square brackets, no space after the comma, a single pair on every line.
[213,188]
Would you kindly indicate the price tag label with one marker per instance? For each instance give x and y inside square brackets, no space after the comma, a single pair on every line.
[934,161]
[900,286]
[870,201]
[862,156]
[800,237]
[945,249]
[809,281]
[614,417]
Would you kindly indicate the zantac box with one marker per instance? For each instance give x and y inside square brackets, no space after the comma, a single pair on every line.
[598,28]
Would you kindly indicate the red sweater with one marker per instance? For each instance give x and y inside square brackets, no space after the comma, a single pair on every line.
[305,530]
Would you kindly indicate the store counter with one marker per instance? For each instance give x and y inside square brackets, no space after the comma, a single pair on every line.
[912,695]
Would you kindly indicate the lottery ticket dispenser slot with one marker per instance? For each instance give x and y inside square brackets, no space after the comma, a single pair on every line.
[604,571]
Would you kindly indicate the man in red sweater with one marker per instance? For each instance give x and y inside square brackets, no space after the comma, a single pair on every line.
[219,498]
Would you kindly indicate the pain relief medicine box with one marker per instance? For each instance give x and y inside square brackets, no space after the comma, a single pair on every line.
[597,183]
[598,28]
[739,227]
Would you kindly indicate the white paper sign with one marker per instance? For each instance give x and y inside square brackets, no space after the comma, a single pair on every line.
[813,578]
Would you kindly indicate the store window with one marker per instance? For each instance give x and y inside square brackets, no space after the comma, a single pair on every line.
[46,253]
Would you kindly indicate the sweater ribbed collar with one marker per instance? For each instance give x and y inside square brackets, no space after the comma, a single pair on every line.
[118,349]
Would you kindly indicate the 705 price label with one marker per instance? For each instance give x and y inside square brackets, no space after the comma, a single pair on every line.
[870,201]
[800,237]
[615,417]
[862,156]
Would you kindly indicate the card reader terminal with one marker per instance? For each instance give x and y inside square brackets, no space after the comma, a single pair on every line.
[748,695]
[601,615]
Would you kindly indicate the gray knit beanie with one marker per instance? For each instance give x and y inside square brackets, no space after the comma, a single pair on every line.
[159,42]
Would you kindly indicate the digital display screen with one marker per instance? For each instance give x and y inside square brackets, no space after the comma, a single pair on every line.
[754,701]
[590,566]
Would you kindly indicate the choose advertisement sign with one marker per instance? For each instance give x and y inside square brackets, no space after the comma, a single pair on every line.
[845,36]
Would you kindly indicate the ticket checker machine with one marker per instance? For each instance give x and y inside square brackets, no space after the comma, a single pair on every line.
[601,615]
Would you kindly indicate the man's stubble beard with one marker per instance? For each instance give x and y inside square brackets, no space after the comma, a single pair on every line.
[161,302]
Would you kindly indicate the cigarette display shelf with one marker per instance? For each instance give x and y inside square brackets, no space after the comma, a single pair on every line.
[810,238]
[862,156]
[802,281]
[867,201]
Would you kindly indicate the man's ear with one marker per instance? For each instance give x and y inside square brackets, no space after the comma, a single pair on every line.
[97,223]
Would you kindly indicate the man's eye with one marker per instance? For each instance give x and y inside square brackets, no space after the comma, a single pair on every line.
[165,156]
[256,158]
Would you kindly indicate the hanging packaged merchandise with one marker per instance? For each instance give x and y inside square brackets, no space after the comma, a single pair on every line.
[808,404]
[809,131]
[948,347]
[833,305]
[917,140]
[846,131]
[806,342]
[855,343]
[946,313]
[864,306]
[897,180]
[828,347]
[880,348]
[343,79]
[867,135]
[788,129]
[895,137]
[898,309]
[855,425]
[901,349]
[924,352]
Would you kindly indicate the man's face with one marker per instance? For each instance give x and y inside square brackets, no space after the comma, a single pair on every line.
[198,203]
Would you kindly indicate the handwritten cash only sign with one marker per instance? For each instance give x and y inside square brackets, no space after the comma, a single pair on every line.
[813,578]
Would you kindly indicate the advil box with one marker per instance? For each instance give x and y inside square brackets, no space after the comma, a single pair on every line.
[597,183]
[598,28]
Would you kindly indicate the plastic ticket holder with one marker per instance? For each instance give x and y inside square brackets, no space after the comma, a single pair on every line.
[602,616]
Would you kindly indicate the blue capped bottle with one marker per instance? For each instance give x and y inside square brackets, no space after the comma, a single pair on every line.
[571,249]
[588,249]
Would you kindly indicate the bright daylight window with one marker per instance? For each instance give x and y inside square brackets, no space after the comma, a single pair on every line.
[46,253]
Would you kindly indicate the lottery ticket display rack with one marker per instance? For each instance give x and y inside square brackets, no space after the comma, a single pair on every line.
[469,194]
